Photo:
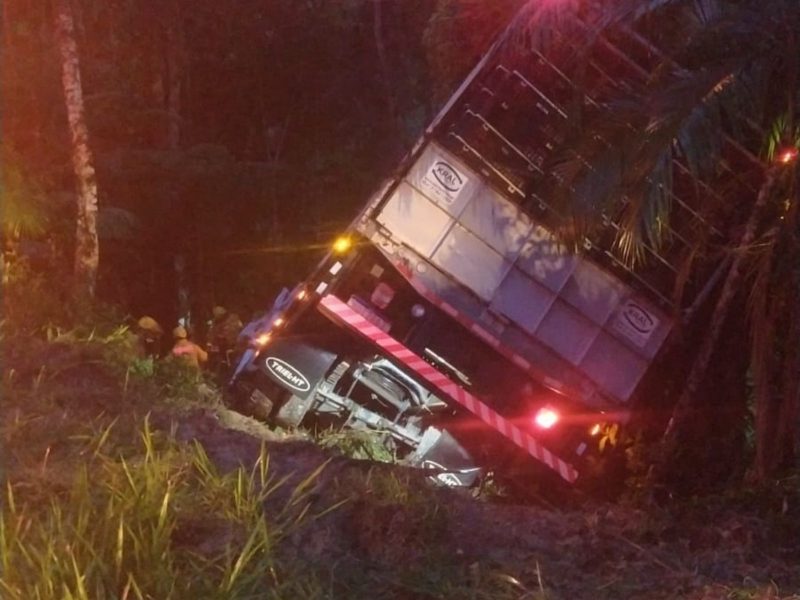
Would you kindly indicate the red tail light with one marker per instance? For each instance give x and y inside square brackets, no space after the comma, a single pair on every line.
[546,417]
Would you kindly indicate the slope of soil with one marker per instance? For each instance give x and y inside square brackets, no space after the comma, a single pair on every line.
[392,534]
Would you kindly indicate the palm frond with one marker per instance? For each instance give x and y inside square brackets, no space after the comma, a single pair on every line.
[778,135]
[645,212]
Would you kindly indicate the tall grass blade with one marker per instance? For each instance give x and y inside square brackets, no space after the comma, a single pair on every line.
[119,555]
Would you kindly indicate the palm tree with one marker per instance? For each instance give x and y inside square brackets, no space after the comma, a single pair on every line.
[87,254]
[728,71]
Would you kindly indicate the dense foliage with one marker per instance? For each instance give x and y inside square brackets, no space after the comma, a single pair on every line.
[228,140]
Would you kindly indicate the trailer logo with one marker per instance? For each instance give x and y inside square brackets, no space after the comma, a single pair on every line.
[638,318]
[636,323]
[443,182]
[447,176]
[288,374]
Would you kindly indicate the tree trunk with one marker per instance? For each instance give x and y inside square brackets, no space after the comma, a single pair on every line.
[87,252]
[173,61]
[788,418]
[685,405]
[174,52]
[377,31]
[789,408]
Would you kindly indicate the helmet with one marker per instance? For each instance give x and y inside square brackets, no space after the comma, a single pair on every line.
[218,311]
[179,333]
[150,325]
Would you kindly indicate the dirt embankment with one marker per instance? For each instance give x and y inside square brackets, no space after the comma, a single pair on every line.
[394,535]
[704,549]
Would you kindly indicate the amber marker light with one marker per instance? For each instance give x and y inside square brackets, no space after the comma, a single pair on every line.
[342,244]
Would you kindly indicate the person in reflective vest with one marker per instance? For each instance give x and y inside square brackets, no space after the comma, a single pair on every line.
[148,337]
[187,350]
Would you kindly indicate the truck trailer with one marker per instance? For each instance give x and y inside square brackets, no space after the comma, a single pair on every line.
[451,322]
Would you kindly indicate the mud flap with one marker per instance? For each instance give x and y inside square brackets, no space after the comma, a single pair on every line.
[291,413]
[259,404]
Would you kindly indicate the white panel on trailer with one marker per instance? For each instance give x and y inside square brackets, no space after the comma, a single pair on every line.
[471,262]
[613,366]
[567,331]
[522,300]
[414,220]
[593,291]
[443,179]
[496,221]
[546,260]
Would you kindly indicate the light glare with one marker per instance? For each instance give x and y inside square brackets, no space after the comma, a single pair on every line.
[546,418]
[787,156]
[342,244]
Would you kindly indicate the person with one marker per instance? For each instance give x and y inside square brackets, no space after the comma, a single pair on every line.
[187,350]
[148,337]
[223,333]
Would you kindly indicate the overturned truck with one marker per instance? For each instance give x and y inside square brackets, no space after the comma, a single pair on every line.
[449,320]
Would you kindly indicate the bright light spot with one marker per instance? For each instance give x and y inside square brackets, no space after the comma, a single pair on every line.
[263,339]
[546,418]
[278,322]
[418,311]
[342,245]
[301,295]
[787,156]
[595,430]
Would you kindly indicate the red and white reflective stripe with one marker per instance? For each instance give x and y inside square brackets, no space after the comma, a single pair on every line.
[339,310]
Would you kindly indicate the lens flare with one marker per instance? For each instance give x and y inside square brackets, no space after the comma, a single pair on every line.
[787,156]
[546,418]
[342,245]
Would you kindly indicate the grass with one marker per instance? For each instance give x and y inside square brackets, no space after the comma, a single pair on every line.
[162,523]
[357,444]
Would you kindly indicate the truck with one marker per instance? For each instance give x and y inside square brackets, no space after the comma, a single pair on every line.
[451,322]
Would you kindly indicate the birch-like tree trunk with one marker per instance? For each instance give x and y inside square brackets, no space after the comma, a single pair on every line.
[87,251]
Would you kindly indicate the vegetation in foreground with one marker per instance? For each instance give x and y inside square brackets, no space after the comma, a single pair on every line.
[100,503]
[121,482]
